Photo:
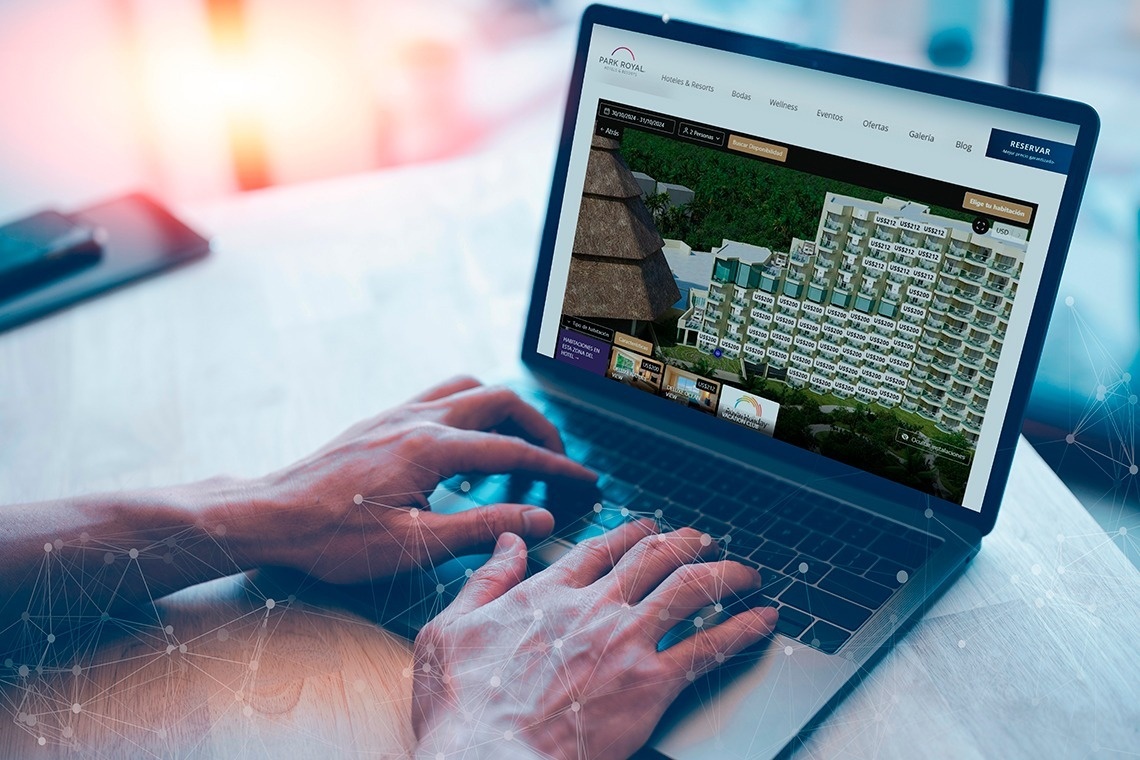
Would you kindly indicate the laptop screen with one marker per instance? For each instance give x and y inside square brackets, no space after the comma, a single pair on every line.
[842,265]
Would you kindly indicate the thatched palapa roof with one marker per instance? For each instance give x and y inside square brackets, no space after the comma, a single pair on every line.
[618,269]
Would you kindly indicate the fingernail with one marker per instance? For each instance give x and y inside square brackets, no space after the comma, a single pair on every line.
[537,522]
[759,580]
[770,615]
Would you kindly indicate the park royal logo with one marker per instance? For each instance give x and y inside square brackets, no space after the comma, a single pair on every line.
[621,61]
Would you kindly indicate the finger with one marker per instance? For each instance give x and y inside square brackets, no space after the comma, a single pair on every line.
[476,530]
[458,451]
[487,408]
[593,558]
[449,387]
[503,571]
[710,647]
[692,587]
[655,558]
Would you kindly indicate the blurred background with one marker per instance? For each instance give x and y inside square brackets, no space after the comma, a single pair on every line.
[194,100]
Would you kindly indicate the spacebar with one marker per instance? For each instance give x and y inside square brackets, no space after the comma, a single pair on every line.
[824,605]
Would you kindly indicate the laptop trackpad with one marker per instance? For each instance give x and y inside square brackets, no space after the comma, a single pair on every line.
[753,705]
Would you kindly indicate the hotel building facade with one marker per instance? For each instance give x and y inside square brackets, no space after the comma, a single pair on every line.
[889,304]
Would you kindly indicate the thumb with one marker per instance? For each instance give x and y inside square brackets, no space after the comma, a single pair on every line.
[475,531]
[503,571]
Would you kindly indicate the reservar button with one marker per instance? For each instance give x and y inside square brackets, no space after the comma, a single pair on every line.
[757,148]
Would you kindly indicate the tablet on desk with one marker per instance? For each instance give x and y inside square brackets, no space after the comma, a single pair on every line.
[141,238]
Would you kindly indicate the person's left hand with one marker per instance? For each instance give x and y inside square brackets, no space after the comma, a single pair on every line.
[357,509]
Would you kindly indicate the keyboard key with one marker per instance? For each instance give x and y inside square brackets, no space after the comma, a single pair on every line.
[889,573]
[755,520]
[772,555]
[860,590]
[692,495]
[819,546]
[744,543]
[855,560]
[714,527]
[821,520]
[827,638]
[792,622]
[856,533]
[679,516]
[823,604]
[905,553]
[722,508]
[807,569]
[773,582]
[616,491]
[610,517]
[786,533]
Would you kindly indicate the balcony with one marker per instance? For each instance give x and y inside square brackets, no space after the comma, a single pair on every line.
[940,383]
[955,329]
[963,312]
[908,239]
[716,298]
[932,243]
[877,255]
[945,287]
[957,251]
[858,229]
[935,324]
[881,233]
[973,424]
[967,295]
[946,362]
[988,371]
[1004,266]
[982,391]
[959,392]
[971,358]
[823,263]
[928,340]
[956,413]
[939,306]
[981,255]
[933,396]
[975,275]
[994,307]
[909,405]
[919,374]
[827,244]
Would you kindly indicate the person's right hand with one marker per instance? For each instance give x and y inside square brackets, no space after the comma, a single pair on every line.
[565,664]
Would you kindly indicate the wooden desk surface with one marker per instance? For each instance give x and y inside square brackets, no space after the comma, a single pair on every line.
[329,302]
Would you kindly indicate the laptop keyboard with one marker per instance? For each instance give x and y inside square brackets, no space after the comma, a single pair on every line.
[827,566]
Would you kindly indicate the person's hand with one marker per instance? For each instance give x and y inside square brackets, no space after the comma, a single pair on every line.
[356,509]
[565,664]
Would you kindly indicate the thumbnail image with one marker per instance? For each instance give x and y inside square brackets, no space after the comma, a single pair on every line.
[636,370]
[692,390]
[748,409]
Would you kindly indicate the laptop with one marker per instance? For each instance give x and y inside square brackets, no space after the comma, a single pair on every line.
[795,300]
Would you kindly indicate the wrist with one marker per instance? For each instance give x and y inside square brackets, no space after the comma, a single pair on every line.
[467,740]
[231,512]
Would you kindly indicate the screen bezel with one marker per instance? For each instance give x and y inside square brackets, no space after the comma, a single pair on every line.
[852,481]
